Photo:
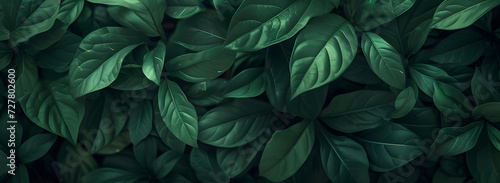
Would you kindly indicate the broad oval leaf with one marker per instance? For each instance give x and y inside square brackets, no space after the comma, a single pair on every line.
[490,111]
[200,32]
[384,60]
[36,147]
[390,146]
[251,30]
[344,160]
[153,62]
[451,102]
[359,110]
[183,8]
[235,124]
[140,121]
[463,47]
[322,52]
[457,140]
[52,107]
[99,58]
[201,66]
[286,151]
[457,14]
[178,114]
[405,101]
[248,83]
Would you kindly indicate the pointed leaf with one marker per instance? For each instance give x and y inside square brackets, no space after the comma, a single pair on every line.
[457,140]
[457,14]
[153,62]
[248,83]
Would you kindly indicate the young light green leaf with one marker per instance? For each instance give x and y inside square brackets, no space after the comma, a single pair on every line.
[251,30]
[451,102]
[36,147]
[201,66]
[96,67]
[248,83]
[286,151]
[344,160]
[153,62]
[389,146]
[236,123]
[483,161]
[457,140]
[178,114]
[490,111]
[200,32]
[183,8]
[140,121]
[463,47]
[457,14]
[359,110]
[482,90]
[384,60]
[322,52]
[52,108]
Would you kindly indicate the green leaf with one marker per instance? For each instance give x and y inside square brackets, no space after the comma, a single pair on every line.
[482,90]
[200,32]
[494,135]
[457,140]
[183,8]
[36,147]
[207,93]
[52,108]
[425,75]
[165,135]
[360,72]
[140,121]
[248,83]
[130,79]
[389,146]
[6,54]
[457,14]
[27,75]
[442,176]
[22,176]
[451,102]
[99,58]
[236,123]
[463,47]
[425,129]
[251,30]
[106,175]
[309,104]
[286,151]
[24,19]
[106,117]
[234,161]
[322,52]
[178,114]
[384,60]
[359,110]
[490,111]
[70,10]
[76,172]
[483,161]
[277,75]
[165,163]
[201,66]
[344,160]
[153,62]
[117,145]
[59,56]
[405,101]
[206,168]
[145,153]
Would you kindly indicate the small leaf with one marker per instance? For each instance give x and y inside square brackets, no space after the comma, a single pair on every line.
[457,14]
[490,111]
[70,10]
[140,121]
[178,114]
[183,8]
[153,62]
[425,75]
[248,83]
[482,90]
[457,140]
[359,110]
[165,163]
[451,102]
[405,101]
[384,60]
[494,135]
[286,151]
[36,147]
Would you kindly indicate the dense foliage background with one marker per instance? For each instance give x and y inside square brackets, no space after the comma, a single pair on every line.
[251,90]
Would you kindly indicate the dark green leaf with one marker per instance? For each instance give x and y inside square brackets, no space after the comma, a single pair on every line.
[6,54]
[442,176]
[309,104]
[389,146]
[206,168]
[482,90]
[166,136]
[494,135]
[59,56]
[286,151]
[235,124]
[165,163]
[183,8]
[360,72]
[251,30]
[463,47]
[178,114]
[451,102]
[36,147]
[483,161]
[200,32]
[278,75]
[248,83]
[322,52]
[153,62]
[117,145]
[96,67]
[70,10]
[359,110]
[145,152]
[201,66]
[405,101]
[457,140]
[384,60]
[207,93]
[425,129]
[140,121]
[344,160]
[27,75]
[425,75]
[107,175]
[457,14]
[490,111]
